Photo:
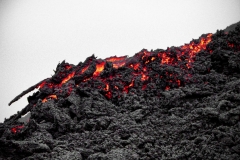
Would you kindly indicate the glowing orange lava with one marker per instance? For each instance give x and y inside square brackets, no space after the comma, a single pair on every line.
[118,64]
[135,66]
[131,84]
[194,48]
[84,69]
[108,94]
[67,78]
[117,61]
[144,77]
[107,87]
[99,69]
[50,96]
[165,59]
[142,69]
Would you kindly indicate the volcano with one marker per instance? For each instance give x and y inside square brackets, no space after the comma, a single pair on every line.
[178,103]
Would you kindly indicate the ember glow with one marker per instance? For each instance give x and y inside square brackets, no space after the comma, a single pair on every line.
[68,67]
[117,61]
[99,69]
[49,97]
[67,78]
[134,66]
[16,129]
[42,84]
[84,69]
[193,48]
[115,82]
[144,77]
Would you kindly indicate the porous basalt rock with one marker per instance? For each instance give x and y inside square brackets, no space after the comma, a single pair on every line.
[177,110]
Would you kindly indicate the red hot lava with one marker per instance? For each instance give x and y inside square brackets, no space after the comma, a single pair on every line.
[67,78]
[99,69]
[117,61]
[49,97]
[16,129]
[141,67]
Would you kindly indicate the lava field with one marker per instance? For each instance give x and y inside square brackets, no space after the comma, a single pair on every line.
[178,103]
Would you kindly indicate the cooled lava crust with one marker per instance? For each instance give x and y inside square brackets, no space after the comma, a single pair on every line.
[178,103]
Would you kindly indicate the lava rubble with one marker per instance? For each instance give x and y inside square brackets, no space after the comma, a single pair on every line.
[178,103]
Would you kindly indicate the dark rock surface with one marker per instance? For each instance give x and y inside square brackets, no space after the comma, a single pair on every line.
[231,27]
[188,113]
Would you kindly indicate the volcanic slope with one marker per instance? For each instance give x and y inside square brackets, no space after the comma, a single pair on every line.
[178,103]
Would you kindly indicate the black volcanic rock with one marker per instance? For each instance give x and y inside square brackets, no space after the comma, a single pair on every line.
[179,103]
[231,27]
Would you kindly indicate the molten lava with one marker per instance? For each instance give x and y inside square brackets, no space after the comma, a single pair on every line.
[16,128]
[192,49]
[99,69]
[117,61]
[142,66]
[42,84]
[144,77]
[67,78]
[49,97]
[84,69]
[166,59]
[135,66]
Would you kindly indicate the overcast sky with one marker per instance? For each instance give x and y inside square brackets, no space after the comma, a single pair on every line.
[35,35]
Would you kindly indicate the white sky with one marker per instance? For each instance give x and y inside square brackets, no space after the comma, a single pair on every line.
[36,35]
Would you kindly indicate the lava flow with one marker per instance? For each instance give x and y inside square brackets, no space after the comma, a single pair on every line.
[187,96]
[116,75]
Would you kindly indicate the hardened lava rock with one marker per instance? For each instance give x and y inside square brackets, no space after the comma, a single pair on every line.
[179,103]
